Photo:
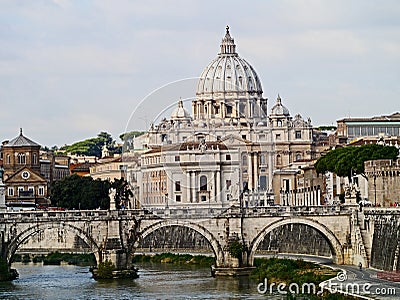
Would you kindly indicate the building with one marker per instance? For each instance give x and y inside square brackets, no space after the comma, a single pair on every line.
[349,129]
[108,168]
[54,167]
[383,181]
[25,186]
[230,149]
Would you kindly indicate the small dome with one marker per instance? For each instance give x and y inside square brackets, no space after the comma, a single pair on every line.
[228,73]
[180,112]
[279,109]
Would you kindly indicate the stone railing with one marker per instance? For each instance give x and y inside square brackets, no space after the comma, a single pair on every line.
[171,213]
[381,211]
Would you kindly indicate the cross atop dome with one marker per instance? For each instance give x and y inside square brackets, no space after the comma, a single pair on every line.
[228,43]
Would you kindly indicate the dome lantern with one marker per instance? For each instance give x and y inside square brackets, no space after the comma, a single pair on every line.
[228,44]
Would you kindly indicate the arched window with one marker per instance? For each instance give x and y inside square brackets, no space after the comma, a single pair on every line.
[21,158]
[35,159]
[278,159]
[298,156]
[262,159]
[244,160]
[203,183]
[8,159]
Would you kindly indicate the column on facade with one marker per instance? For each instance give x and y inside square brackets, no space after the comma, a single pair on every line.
[270,168]
[250,170]
[255,172]
[170,186]
[193,186]
[222,109]
[314,196]
[194,112]
[237,109]
[188,189]
[198,109]
[218,186]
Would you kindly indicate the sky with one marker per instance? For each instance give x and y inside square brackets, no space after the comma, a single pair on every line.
[70,69]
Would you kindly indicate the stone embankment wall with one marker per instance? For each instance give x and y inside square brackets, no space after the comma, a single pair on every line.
[295,238]
[386,242]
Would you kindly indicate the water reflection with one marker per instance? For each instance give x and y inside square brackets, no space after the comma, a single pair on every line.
[156,281]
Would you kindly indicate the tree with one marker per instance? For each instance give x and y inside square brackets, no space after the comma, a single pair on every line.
[350,160]
[129,135]
[75,192]
[90,147]
[122,192]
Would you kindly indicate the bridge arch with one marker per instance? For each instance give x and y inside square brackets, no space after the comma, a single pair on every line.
[31,231]
[332,240]
[215,245]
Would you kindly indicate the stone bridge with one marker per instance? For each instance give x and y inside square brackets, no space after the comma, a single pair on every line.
[116,234]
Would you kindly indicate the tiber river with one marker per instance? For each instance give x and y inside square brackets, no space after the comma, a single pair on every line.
[156,281]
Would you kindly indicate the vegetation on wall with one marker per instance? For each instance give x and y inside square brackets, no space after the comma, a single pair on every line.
[350,160]
[179,259]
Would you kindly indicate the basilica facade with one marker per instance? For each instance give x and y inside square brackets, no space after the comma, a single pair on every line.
[230,149]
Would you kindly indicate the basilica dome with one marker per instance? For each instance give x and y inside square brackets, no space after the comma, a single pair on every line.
[228,73]
[279,109]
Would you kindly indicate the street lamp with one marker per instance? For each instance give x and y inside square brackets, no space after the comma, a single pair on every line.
[374,185]
[166,200]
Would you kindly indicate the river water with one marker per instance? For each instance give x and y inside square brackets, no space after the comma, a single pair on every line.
[156,281]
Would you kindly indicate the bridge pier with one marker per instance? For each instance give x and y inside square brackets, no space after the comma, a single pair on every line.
[232,266]
[118,257]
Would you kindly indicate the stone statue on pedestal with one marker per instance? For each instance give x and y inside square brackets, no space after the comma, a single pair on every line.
[2,191]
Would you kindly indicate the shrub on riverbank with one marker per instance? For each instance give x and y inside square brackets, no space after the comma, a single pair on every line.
[290,271]
[56,258]
[200,260]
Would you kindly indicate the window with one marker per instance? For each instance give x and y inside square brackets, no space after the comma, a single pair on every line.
[279,123]
[278,136]
[11,191]
[298,156]
[278,159]
[35,159]
[203,198]
[177,186]
[20,189]
[21,158]
[203,183]
[262,159]
[228,109]
[228,183]
[41,190]
[298,134]
[177,158]
[228,157]
[263,183]
[8,159]
[244,136]
[244,160]
[178,198]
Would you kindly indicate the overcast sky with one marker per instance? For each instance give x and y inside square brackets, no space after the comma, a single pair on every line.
[70,69]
